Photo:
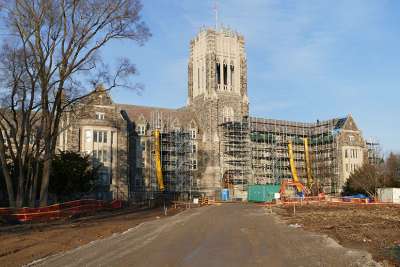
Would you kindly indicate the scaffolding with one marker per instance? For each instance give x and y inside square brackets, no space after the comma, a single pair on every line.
[235,156]
[270,156]
[172,148]
[176,155]
[375,156]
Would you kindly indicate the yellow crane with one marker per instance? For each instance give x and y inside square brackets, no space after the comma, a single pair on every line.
[157,157]
[293,168]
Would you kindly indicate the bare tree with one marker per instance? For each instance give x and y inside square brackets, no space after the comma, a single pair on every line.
[392,170]
[56,44]
[366,180]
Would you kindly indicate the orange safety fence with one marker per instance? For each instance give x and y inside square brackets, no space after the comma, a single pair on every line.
[57,211]
[335,200]
[304,199]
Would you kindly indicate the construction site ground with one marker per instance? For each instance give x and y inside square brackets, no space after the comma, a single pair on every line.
[22,244]
[230,234]
[373,228]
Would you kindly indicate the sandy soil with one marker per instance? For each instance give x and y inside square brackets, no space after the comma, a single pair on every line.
[22,244]
[372,228]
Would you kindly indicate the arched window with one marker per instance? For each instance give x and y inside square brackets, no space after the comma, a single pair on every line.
[225,75]
[218,73]
[232,69]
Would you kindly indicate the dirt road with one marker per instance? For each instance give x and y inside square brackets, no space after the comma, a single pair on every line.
[226,235]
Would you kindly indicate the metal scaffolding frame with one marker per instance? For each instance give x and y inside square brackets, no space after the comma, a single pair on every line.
[235,156]
[176,160]
[269,151]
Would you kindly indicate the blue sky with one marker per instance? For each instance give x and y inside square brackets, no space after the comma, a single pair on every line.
[307,60]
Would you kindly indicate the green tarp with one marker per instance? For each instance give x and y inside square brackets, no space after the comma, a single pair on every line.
[262,193]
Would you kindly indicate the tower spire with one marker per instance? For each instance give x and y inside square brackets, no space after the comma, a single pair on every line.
[216,14]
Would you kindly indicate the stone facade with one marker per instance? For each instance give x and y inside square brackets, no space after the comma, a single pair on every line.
[211,143]
[95,127]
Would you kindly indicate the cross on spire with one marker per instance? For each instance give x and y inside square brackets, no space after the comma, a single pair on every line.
[216,14]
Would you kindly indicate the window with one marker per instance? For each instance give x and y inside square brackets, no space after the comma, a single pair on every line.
[141,129]
[194,148]
[193,133]
[143,145]
[100,155]
[232,76]
[100,116]
[345,153]
[225,75]
[347,167]
[100,137]
[351,138]
[105,156]
[194,164]
[218,73]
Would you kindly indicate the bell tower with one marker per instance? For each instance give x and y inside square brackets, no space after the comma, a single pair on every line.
[217,93]
[217,65]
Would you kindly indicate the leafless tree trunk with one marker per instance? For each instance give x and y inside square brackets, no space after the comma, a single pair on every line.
[55,46]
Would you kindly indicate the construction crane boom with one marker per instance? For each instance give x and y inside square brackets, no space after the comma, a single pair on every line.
[157,157]
[293,167]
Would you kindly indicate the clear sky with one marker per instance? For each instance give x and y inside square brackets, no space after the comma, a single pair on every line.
[307,60]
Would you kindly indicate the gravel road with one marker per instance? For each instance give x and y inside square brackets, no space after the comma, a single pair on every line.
[225,235]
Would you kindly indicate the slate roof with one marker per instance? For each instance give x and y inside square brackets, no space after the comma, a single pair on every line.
[260,124]
[136,113]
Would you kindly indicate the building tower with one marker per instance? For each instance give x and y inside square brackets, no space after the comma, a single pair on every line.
[217,93]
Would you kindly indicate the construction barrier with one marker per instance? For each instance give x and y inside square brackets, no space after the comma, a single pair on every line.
[57,211]
[333,201]
[203,200]
[304,199]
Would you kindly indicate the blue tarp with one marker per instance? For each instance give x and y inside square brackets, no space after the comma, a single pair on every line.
[359,196]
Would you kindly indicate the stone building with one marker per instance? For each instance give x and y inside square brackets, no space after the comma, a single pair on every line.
[212,142]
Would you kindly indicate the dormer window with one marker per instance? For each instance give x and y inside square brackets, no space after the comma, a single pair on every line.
[141,129]
[100,116]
